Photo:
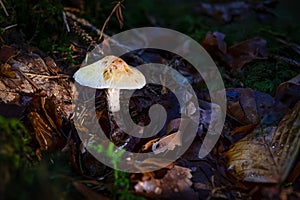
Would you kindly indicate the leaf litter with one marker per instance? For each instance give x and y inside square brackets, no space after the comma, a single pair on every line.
[266,152]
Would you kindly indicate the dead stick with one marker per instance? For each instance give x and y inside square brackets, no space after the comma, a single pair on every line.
[11,26]
[287,60]
[86,23]
[27,78]
[6,13]
[48,77]
[107,20]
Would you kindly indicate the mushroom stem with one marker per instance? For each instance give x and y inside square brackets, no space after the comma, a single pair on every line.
[113,99]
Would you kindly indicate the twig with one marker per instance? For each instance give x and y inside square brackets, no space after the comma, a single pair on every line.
[287,60]
[65,21]
[86,23]
[6,13]
[48,77]
[295,47]
[27,78]
[107,20]
[73,18]
[11,26]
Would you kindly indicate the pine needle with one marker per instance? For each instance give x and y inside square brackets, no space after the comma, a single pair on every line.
[6,13]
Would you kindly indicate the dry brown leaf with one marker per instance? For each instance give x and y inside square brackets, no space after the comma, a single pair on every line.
[267,155]
[26,75]
[7,71]
[151,164]
[236,56]
[244,129]
[244,52]
[167,143]
[295,174]
[248,106]
[214,43]
[289,92]
[7,52]
[176,184]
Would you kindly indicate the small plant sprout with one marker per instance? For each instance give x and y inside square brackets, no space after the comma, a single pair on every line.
[111,73]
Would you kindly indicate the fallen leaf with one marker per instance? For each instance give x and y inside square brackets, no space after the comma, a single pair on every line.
[167,143]
[244,52]
[44,135]
[267,155]
[7,71]
[176,184]
[26,75]
[248,106]
[152,163]
[7,52]
[289,92]
[52,66]
[295,173]
[244,129]
[214,43]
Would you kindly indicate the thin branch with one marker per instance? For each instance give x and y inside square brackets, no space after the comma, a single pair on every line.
[65,21]
[6,13]
[11,26]
[27,78]
[107,20]
[86,23]
[287,60]
[60,76]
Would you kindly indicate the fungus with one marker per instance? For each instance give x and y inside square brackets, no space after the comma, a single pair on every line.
[111,73]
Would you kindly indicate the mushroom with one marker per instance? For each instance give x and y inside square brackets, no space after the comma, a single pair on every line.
[111,73]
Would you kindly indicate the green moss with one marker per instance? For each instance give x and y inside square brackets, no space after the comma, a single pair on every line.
[14,141]
[263,75]
[22,177]
[121,179]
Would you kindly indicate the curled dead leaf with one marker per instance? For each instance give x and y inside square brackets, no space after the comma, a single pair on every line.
[214,43]
[248,106]
[244,52]
[25,76]
[289,92]
[244,129]
[167,143]
[267,155]
[7,52]
[7,71]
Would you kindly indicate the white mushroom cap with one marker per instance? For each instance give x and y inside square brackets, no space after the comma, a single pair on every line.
[110,72]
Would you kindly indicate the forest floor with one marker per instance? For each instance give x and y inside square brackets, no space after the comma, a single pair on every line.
[44,152]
